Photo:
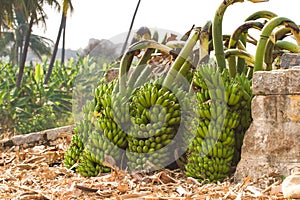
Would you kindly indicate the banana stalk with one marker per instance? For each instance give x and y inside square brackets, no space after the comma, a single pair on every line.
[140,67]
[265,35]
[282,33]
[261,14]
[217,32]
[181,58]
[184,69]
[286,45]
[243,29]
[241,54]
[235,37]
[127,59]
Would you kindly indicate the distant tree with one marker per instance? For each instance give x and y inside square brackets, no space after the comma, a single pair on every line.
[6,13]
[67,5]
[11,43]
[34,12]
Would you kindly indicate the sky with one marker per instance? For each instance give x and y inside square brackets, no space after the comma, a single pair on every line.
[107,19]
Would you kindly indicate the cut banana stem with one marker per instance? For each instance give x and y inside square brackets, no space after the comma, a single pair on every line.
[235,37]
[143,77]
[282,33]
[184,70]
[205,35]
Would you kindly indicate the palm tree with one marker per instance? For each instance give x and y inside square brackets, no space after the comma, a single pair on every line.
[6,13]
[34,12]
[67,5]
[11,45]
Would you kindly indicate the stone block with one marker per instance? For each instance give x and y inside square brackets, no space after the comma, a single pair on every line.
[276,108]
[269,147]
[276,82]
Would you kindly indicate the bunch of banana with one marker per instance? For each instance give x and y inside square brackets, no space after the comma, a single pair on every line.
[102,98]
[98,136]
[73,152]
[109,138]
[102,149]
[112,131]
[212,149]
[244,109]
[155,116]
[88,165]
[106,114]
[81,132]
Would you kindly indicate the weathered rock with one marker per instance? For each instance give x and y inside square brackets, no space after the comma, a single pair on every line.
[38,137]
[271,144]
[289,60]
[280,82]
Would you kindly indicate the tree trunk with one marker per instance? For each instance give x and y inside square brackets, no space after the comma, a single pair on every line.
[24,54]
[63,21]
[130,28]
[63,50]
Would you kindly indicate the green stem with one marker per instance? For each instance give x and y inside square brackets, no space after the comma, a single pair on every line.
[217,32]
[269,53]
[286,45]
[261,14]
[143,77]
[241,62]
[243,29]
[124,68]
[128,56]
[241,54]
[181,58]
[235,37]
[184,69]
[282,33]
[265,35]
[140,67]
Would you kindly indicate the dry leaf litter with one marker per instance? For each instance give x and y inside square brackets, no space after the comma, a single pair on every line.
[37,173]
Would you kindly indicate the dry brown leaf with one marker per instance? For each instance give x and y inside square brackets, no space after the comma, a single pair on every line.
[123,187]
[26,166]
[165,178]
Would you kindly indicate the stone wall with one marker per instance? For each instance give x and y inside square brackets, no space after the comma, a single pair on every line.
[272,143]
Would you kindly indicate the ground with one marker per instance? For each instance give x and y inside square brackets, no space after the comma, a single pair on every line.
[36,172]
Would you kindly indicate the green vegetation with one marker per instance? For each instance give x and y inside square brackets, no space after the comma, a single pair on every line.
[38,106]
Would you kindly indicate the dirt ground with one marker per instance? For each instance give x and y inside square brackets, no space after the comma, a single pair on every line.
[37,173]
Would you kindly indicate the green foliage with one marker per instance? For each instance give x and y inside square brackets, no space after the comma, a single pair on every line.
[37,106]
